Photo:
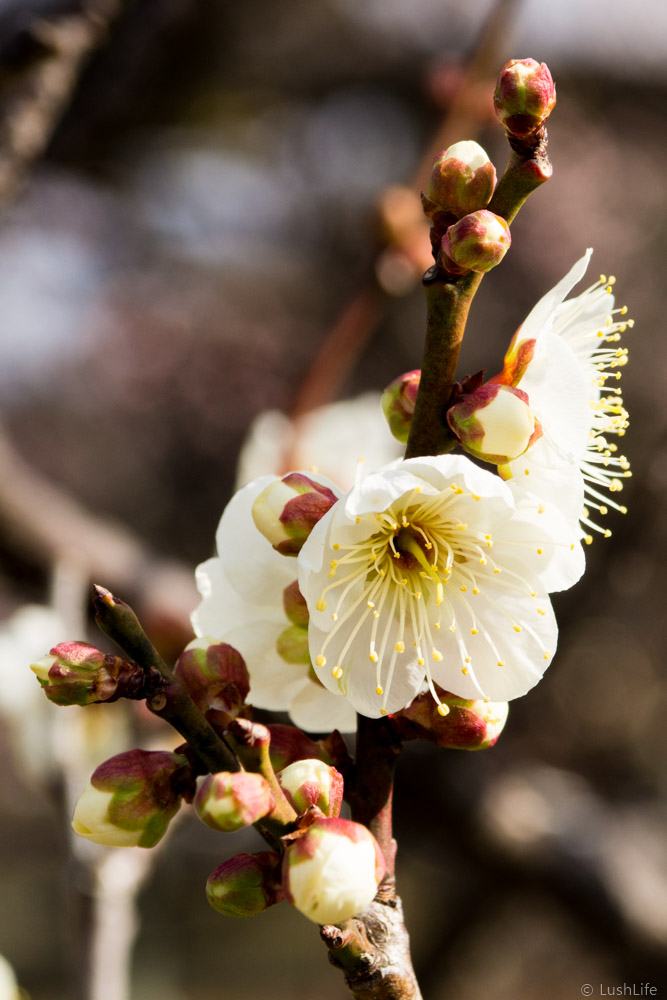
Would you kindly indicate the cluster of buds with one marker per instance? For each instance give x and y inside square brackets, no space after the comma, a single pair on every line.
[289,508]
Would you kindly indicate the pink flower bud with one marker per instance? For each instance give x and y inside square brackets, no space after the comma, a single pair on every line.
[295,605]
[398,403]
[477,242]
[289,508]
[75,673]
[494,423]
[455,724]
[331,870]
[215,676]
[462,180]
[131,798]
[525,96]
[289,744]
[229,801]
[246,884]
[311,782]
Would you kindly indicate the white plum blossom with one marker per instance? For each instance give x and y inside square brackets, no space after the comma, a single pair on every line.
[433,570]
[566,357]
[242,604]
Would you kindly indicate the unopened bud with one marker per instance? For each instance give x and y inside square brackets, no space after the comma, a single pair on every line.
[454,723]
[76,673]
[289,508]
[332,870]
[289,744]
[292,645]
[246,884]
[477,242]
[312,783]
[215,676]
[229,801]
[495,423]
[131,798]
[462,180]
[525,96]
[294,605]
[398,403]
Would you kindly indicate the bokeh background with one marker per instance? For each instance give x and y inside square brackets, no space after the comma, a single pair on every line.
[207,236]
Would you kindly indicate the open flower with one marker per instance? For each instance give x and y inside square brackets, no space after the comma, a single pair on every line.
[433,570]
[567,358]
[248,602]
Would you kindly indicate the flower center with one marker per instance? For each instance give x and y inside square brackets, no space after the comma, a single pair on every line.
[404,582]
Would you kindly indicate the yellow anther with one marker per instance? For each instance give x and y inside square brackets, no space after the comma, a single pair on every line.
[463,588]
[541,611]
[462,526]
[337,673]
[420,661]
[475,590]
[333,564]
[464,671]
[497,570]
[399,646]
[501,663]
[474,631]
[369,604]
[517,628]
[475,497]
[373,657]
[437,655]
[526,472]
[379,690]
[452,628]
[321,605]
[539,552]
[482,561]
[335,546]
[383,711]
[466,659]
[443,709]
[320,660]
[588,539]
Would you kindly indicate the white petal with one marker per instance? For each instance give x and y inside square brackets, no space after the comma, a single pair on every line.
[540,317]
[525,655]
[222,607]
[319,711]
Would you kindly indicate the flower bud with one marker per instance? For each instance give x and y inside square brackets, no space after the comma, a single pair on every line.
[312,783]
[494,423]
[246,884]
[525,96]
[131,798]
[332,869]
[294,604]
[76,673]
[292,645]
[454,724]
[215,676]
[229,801]
[289,744]
[398,403]
[289,508]
[462,180]
[477,242]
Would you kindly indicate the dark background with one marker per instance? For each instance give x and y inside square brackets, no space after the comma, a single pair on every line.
[205,211]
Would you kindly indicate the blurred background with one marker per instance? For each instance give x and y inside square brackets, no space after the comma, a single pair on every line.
[220,219]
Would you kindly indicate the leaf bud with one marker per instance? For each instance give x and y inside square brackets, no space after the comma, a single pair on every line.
[495,423]
[246,884]
[311,782]
[398,403]
[76,673]
[477,242]
[229,801]
[525,96]
[130,799]
[215,676]
[454,724]
[331,869]
[289,508]
[462,180]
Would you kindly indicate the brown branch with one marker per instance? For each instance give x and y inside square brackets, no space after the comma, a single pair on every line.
[36,89]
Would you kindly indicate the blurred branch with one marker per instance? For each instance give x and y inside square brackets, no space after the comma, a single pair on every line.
[39,71]
[43,521]
[354,326]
